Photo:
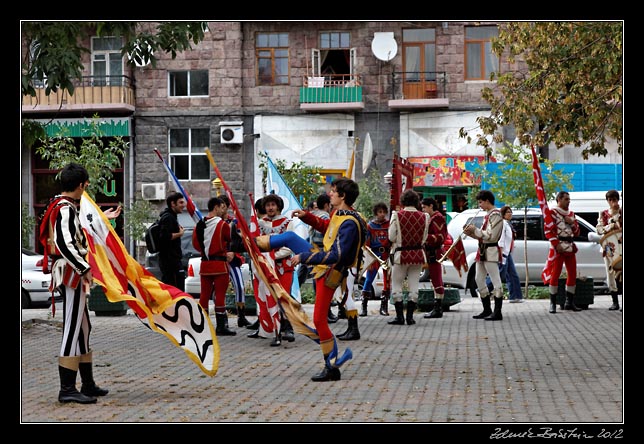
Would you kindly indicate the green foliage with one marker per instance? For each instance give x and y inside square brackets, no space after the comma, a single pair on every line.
[565,87]
[136,216]
[305,181]
[99,160]
[372,190]
[28,223]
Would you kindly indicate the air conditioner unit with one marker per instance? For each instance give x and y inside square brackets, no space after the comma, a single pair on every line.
[153,191]
[231,132]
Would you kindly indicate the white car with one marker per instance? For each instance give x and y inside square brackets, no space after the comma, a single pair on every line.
[34,283]
[193,280]
[589,259]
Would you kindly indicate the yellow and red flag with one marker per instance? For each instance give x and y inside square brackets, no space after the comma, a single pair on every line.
[163,308]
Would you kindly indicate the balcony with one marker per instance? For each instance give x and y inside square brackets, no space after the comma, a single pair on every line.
[91,94]
[337,92]
[418,90]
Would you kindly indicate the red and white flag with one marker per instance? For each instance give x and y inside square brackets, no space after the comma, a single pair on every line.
[162,307]
[547,218]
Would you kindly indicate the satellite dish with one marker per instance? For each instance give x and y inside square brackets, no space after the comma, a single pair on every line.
[367,154]
[384,46]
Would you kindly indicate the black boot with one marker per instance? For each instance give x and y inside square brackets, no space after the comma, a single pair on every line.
[399,319]
[496,316]
[222,325]
[327,374]
[411,307]
[68,392]
[553,303]
[487,310]
[254,325]
[365,301]
[241,315]
[286,330]
[277,340]
[384,303]
[437,312]
[342,312]
[570,304]
[330,317]
[352,333]
[88,386]
[615,305]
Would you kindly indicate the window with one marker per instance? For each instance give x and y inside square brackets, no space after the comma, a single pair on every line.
[107,61]
[271,50]
[419,54]
[535,227]
[187,157]
[188,83]
[480,62]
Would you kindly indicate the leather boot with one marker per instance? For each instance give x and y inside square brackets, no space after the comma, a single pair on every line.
[384,303]
[254,325]
[68,391]
[365,302]
[487,310]
[399,319]
[222,325]
[411,307]
[570,304]
[327,373]
[342,312]
[88,386]
[352,333]
[331,318]
[277,340]
[286,330]
[241,315]
[496,316]
[615,305]
[553,303]
[437,312]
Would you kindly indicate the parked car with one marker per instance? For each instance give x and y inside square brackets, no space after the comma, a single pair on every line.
[34,283]
[589,258]
[193,281]
[188,251]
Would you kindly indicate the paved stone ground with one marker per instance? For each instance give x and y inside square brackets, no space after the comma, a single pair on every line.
[532,367]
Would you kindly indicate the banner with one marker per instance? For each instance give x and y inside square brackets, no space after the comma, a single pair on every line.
[161,307]
[190,206]
[547,218]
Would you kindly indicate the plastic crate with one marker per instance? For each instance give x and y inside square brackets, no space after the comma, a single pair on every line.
[426,299]
[101,306]
[584,293]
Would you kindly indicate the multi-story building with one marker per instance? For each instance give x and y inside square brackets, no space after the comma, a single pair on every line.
[300,91]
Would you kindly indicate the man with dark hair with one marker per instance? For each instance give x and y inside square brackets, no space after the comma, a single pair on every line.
[378,242]
[211,238]
[65,242]
[436,235]
[408,230]
[610,221]
[170,255]
[488,256]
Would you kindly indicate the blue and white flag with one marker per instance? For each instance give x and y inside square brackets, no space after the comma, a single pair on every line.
[190,206]
[277,185]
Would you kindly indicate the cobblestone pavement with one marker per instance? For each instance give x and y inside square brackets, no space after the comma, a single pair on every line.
[532,367]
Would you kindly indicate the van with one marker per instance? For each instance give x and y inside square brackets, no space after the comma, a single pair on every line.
[589,259]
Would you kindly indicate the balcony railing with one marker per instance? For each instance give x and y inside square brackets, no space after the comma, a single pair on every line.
[337,91]
[100,93]
[418,89]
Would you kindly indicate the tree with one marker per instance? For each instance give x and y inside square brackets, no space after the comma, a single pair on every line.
[564,85]
[372,191]
[513,183]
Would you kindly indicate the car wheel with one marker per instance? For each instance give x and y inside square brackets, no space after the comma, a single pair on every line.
[471,283]
[25,300]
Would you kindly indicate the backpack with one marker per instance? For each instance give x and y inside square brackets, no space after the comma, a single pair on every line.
[153,237]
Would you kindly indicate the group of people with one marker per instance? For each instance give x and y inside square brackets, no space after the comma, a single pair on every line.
[414,237]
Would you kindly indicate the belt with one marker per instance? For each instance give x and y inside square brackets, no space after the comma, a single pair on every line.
[215,258]
[409,248]
[491,244]
[565,239]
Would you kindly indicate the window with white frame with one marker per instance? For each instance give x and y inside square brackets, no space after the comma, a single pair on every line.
[107,61]
[480,61]
[188,83]
[188,159]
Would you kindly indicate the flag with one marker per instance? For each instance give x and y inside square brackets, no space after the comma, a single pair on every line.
[351,169]
[190,205]
[277,185]
[402,179]
[456,254]
[294,311]
[161,307]
[548,224]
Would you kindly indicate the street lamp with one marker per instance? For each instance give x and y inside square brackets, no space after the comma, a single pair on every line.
[218,186]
